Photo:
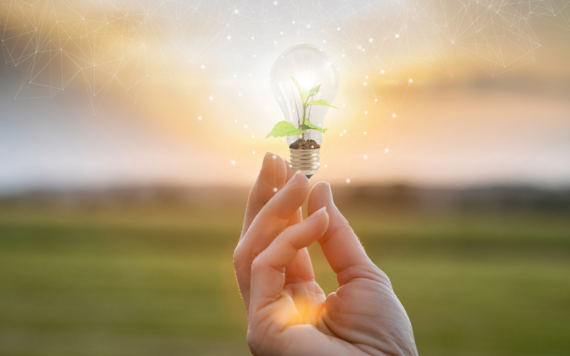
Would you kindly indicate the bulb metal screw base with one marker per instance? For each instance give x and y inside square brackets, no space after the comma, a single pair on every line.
[306,161]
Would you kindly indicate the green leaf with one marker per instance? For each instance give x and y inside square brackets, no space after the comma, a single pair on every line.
[321,102]
[302,90]
[284,128]
[309,125]
[314,91]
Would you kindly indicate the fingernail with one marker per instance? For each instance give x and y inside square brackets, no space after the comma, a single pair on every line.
[293,177]
[330,190]
[318,213]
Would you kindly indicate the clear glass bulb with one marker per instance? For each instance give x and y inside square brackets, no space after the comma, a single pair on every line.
[310,66]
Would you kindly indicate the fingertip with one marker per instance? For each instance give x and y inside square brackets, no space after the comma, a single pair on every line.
[320,218]
[321,195]
[289,169]
[273,175]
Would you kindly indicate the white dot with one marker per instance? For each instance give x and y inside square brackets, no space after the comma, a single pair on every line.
[365,84]
[365,132]
[229,38]
[233,162]
[376,100]
[347,181]
[274,156]
[202,66]
[274,190]
[275,3]
[394,115]
[344,131]
[397,35]
[236,11]
[338,28]
[326,166]
[253,152]
[366,112]
[382,71]
[245,126]
[199,118]
[410,80]
[341,134]
[386,150]
[370,40]
[211,98]
[365,157]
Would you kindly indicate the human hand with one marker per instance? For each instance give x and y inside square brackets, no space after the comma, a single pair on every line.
[288,313]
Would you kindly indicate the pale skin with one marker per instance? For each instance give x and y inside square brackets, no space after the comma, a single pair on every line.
[287,311]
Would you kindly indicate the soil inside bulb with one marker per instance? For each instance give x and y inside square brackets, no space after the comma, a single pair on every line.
[307,145]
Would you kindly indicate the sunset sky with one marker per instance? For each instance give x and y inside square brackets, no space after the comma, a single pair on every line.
[497,115]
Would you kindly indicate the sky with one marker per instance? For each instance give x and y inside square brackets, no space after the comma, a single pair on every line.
[449,94]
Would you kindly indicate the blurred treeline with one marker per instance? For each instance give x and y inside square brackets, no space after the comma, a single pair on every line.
[147,271]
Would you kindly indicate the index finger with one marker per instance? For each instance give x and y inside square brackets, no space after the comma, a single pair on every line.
[272,177]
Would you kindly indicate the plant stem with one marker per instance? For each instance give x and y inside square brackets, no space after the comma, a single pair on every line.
[304,112]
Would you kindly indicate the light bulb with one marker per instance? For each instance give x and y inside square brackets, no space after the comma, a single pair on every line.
[310,67]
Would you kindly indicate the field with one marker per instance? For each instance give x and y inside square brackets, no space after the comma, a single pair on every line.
[159,280]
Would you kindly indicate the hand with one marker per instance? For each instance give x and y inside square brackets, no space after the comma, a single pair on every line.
[287,311]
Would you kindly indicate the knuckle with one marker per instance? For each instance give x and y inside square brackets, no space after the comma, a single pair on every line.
[257,262]
[238,257]
[383,277]
[253,342]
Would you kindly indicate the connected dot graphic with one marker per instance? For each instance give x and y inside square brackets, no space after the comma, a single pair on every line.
[130,45]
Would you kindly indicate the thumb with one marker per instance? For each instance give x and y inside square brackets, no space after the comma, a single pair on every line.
[340,245]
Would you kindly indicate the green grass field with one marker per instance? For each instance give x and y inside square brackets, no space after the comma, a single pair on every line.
[160,281]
